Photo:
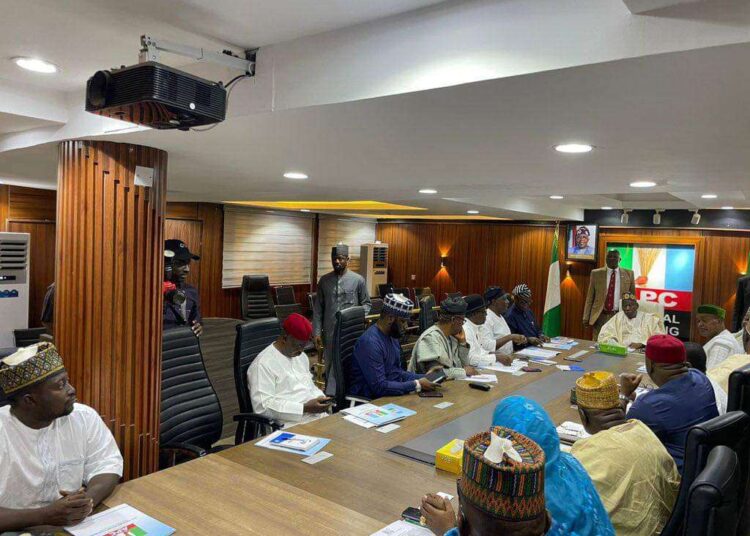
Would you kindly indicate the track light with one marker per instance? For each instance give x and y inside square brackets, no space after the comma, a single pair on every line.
[696,219]
[625,218]
[657,217]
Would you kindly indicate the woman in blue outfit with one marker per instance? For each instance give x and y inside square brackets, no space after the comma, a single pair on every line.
[572,499]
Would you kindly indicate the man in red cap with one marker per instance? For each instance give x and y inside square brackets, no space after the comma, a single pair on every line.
[279,379]
[685,396]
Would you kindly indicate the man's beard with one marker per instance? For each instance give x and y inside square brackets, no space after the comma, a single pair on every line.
[339,269]
[396,330]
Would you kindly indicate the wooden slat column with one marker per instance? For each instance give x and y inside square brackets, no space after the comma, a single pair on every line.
[108,300]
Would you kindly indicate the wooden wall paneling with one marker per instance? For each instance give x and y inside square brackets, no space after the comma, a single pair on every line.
[109,273]
[41,256]
[182,211]
[31,203]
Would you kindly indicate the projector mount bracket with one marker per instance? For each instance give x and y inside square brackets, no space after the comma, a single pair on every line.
[151,47]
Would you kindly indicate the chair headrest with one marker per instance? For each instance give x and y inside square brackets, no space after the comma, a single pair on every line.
[255,282]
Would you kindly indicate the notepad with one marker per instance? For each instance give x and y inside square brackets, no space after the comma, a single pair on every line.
[537,352]
[481,378]
[402,528]
[516,366]
[122,520]
[268,443]
[379,415]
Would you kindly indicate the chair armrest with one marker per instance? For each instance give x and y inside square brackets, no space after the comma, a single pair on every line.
[356,400]
[259,419]
[171,451]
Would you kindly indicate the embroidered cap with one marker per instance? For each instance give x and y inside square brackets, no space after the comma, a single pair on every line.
[29,366]
[398,305]
[510,489]
[522,290]
[665,349]
[712,310]
[597,390]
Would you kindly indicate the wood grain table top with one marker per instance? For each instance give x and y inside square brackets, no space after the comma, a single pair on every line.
[363,487]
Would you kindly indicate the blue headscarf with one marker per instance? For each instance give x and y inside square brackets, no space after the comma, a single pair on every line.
[572,499]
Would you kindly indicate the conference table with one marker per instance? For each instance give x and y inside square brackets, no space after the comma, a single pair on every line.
[364,486]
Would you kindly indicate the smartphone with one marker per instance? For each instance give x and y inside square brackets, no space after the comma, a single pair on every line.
[571,358]
[412,515]
[480,386]
[437,376]
[531,369]
[430,394]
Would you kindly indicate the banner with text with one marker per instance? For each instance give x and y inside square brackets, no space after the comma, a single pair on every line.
[663,274]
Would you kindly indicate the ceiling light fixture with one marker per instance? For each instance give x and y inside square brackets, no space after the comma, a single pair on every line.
[709,196]
[696,219]
[472,212]
[727,208]
[625,218]
[657,217]
[296,175]
[556,197]
[36,65]
[427,191]
[606,208]
[573,148]
[642,184]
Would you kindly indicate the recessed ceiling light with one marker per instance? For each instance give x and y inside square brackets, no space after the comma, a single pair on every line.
[606,208]
[427,191]
[709,196]
[295,175]
[642,184]
[36,65]
[304,210]
[472,212]
[727,208]
[556,197]
[573,148]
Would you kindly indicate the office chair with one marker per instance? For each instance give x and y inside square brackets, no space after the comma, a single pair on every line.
[402,290]
[376,306]
[311,300]
[384,289]
[713,502]
[453,295]
[283,311]
[255,299]
[739,400]
[27,337]
[252,338]
[191,418]
[730,430]
[421,292]
[350,324]
[426,316]
[285,296]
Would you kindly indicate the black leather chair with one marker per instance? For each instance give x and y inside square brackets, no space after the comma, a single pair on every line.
[453,295]
[283,311]
[350,324]
[256,301]
[713,503]
[376,306]
[190,418]
[311,300]
[285,296]
[402,290]
[252,338]
[739,390]
[27,337]
[384,289]
[730,430]
[426,316]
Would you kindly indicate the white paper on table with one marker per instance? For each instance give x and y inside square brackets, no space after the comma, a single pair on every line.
[318,457]
[545,362]
[481,378]
[359,422]
[573,430]
[537,352]
[388,428]
[641,369]
[402,528]
[443,405]
[563,367]
[517,365]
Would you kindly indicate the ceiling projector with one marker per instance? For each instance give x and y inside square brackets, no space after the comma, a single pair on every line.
[156,96]
[162,97]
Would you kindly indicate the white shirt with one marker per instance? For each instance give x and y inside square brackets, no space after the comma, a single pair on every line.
[618,296]
[35,465]
[720,347]
[481,344]
[280,386]
[498,328]
[721,397]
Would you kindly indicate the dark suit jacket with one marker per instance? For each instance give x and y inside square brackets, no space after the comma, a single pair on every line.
[741,302]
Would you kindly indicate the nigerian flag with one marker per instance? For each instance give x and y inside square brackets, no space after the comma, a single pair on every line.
[551,325]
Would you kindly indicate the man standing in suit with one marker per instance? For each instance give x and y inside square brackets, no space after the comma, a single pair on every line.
[606,286]
[742,302]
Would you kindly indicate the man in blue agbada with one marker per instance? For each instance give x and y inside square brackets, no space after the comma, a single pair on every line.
[572,499]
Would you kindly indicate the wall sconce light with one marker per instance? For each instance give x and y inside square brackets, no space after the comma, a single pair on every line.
[657,217]
[625,218]
[443,261]
[696,219]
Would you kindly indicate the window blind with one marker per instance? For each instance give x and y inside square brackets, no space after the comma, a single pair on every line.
[353,232]
[258,242]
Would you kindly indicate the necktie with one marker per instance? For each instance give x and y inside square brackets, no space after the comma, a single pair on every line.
[609,303]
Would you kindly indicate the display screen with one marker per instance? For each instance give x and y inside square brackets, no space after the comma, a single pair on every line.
[7,278]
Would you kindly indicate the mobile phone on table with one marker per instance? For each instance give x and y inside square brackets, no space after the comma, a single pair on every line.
[437,376]
[479,386]
[412,515]
[430,394]
[531,369]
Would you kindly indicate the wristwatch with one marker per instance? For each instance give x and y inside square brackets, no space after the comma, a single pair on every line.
[419,386]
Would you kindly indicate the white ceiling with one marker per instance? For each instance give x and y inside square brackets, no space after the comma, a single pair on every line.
[17,123]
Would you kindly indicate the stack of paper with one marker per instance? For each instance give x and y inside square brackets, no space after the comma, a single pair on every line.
[123,520]
[379,415]
[513,368]
[294,443]
[560,343]
[481,378]
[570,432]
[402,528]
[540,353]
[641,369]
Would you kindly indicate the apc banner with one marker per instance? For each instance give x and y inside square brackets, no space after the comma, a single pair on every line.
[663,274]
